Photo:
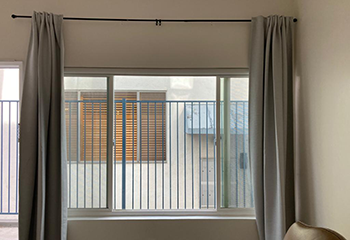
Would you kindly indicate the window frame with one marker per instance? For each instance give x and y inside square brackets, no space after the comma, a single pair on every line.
[13,218]
[109,212]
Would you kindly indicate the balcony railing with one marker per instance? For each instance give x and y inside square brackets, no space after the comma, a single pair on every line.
[164,155]
[9,148]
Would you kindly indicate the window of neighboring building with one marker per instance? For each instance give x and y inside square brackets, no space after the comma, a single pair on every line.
[153,125]
[92,124]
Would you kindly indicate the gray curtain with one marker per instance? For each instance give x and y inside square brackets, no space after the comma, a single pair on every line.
[271,124]
[42,176]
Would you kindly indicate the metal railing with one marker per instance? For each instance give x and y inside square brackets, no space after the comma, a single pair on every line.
[9,158]
[164,155]
[180,178]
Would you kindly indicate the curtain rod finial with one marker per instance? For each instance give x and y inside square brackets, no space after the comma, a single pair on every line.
[295,20]
[13,16]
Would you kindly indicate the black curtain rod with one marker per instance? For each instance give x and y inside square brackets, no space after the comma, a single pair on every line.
[157,21]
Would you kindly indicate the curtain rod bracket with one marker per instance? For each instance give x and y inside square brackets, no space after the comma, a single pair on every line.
[159,22]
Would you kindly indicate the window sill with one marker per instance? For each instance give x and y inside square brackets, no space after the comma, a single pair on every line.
[158,218]
[9,221]
[105,214]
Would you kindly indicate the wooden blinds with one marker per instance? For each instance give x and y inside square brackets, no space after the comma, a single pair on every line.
[87,126]
[131,126]
[93,126]
[153,144]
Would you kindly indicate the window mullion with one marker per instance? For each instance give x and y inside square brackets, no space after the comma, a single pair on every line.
[218,144]
[110,136]
[226,140]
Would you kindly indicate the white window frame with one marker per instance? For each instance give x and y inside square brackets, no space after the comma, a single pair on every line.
[12,219]
[109,212]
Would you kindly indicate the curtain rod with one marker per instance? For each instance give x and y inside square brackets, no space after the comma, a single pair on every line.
[157,21]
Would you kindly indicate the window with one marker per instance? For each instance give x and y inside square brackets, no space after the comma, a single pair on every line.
[150,142]
[86,128]
[236,180]
[10,84]
[9,120]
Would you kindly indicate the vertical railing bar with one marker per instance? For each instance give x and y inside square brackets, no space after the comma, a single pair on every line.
[147,155]
[170,155]
[100,158]
[236,137]
[70,153]
[17,142]
[177,154]
[214,149]
[133,153]
[155,158]
[140,154]
[85,155]
[2,145]
[200,156]
[78,149]
[243,154]
[192,152]
[9,165]
[123,153]
[207,125]
[185,155]
[92,154]
[163,155]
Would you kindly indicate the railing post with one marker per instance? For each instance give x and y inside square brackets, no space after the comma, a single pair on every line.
[123,151]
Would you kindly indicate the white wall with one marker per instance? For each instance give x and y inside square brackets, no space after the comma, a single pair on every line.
[323,87]
[163,229]
[95,44]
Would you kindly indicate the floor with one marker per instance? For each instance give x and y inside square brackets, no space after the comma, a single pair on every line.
[8,231]
[8,227]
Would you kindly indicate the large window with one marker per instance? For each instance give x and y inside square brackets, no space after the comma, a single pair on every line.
[149,143]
